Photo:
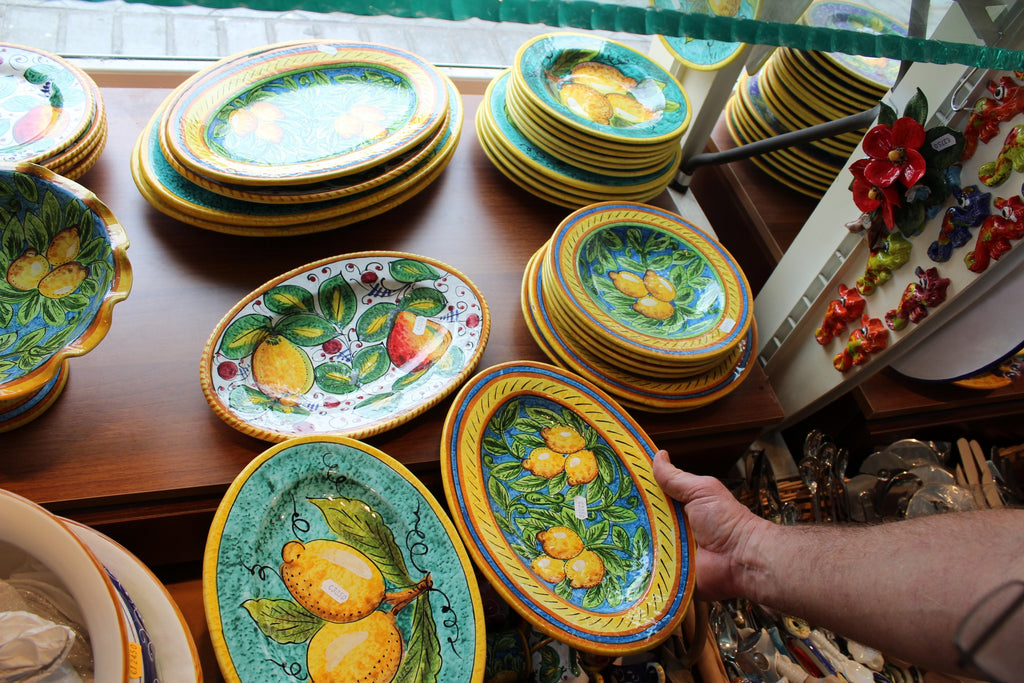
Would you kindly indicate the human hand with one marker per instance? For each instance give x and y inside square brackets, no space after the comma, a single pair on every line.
[722,527]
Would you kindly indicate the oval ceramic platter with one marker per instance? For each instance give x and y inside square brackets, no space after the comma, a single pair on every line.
[550,484]
[45,104]
[354,345]
[303,112]
[648,106]
[328,559]
[694,305]
[700,54]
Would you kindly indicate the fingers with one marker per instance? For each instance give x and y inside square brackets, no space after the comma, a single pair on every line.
[672,480]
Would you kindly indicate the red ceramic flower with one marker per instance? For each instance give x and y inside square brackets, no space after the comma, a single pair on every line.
[869,196]
[894,154]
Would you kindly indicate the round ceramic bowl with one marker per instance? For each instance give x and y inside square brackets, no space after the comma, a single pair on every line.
[30,535]
[63,266]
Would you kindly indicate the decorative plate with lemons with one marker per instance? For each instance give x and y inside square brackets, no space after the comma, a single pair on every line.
[302,112]
[328,560]
[698,53]
[603,88]
[354,344]
[550,484]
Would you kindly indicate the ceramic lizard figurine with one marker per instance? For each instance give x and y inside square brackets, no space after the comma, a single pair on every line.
[928,292]
[996,233]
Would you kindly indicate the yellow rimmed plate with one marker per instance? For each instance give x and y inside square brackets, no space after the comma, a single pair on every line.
[619,578]
[303,112]
[700,54]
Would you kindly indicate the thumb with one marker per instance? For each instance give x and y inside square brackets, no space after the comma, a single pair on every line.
[673,481]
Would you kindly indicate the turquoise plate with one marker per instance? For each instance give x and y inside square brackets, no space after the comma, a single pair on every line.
[546,165]
[376,567]
[556,67]
[696,53]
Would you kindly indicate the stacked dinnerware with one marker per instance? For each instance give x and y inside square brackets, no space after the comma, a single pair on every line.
[51,112]
[298,137]
[797,89]
[580,119]
[643,304]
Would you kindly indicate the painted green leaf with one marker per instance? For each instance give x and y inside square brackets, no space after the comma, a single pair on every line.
[619,514]
[406,381]
[26,186]
[359,525]
[597,533]
[53,312]
[283,621]
[505,418]
[286,299]
[506,471]
[6,339]
[452,362]
[248,401]
[335,378]
[243,335]
[423,301]
[409,270]
[371,363]
[35,232]
[337,300]
[494,446]
[422,660]
[305,329]
[375,399]
[500,498]
[50,212]
[592,598]
[374,324]
[29,310]
[530,483]
[530,441]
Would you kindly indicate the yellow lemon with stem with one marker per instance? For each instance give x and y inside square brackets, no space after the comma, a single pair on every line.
[62,280]
[586,102]
[560,542]
[544,462]
[628,283]
[581,467]
[562,439]
[27,270]
[332,579]
[365,651]
[659,287]
[654,308]
[585,570]
[548,568]
[63,247]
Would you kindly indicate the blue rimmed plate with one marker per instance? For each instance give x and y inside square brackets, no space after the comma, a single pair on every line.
[551,486]
[700,54]
[327,557]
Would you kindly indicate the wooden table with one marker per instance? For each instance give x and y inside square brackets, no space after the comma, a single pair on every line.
[132,448]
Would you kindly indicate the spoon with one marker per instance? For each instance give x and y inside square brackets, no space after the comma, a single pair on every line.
[725,632]
[809,473]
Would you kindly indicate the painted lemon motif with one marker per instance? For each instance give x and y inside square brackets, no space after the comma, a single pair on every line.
[27,270]
[561,543]
[586,102]
[585,570]
[628,283]
[581,467]
[659,287]
[629,108]
[562,439]
[544,462]
[281,369]
[724,8]
[63,247]
[654,308]
[258,118]
[332,580]
[548,568]
[604,78]
[62,280]
[366,651]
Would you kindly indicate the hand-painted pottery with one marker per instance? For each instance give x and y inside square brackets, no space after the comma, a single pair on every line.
[603,88]
[632,390]
[655,284]
[850,16]
[303,112]
[64,265]
[550,485]
[326,560]
[46,104]
[354,345]
[700,54]
[996,376]
[171,645]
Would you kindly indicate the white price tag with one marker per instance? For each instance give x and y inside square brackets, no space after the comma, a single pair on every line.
[580,506]
[943,142]
[727,325]
[334,590]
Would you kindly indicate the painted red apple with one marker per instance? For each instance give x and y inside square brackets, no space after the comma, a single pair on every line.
[34,124]
[416,342]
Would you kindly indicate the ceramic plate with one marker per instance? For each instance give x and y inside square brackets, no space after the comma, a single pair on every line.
[326,549]
[174,651]
[696,305]
[850,16]
[642,393]
[45,103]
[575,68]
[586,546]
[353,344]
[302,112]
[697,53]
[20,411]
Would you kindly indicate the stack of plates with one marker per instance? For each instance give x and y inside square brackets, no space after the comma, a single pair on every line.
[644,305]
[297,138]
[797,89]
[51,112]
[581,119]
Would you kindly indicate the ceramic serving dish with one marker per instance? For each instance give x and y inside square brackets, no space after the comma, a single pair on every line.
[302,112]
[602,88]
[656,285]
[354,345]
[31,534]
[329,560]
[550,484]
[173,651]
[700,54]
[46,103]
[851,16]
[64,264]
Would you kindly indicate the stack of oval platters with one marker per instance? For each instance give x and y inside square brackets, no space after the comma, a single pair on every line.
[51,112]
[643,304]
[580,119]
[797,89]
[298,137]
